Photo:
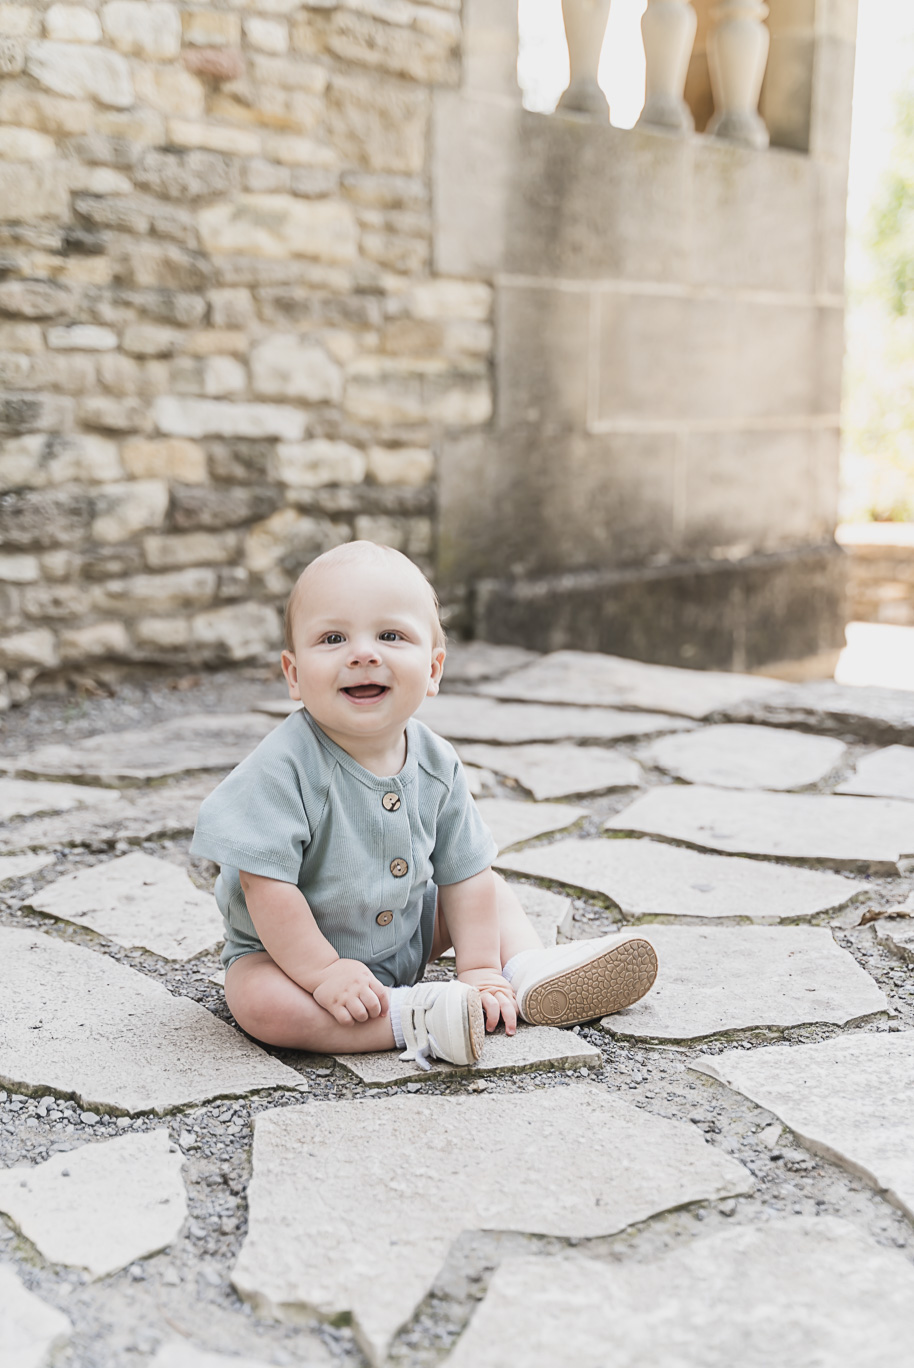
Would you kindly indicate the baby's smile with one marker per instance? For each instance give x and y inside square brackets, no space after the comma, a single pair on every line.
[366,693]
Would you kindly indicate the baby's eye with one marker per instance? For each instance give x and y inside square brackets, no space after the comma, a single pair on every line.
[390,636]
[333,638]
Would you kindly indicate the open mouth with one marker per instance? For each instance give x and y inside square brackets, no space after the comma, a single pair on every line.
[364,693]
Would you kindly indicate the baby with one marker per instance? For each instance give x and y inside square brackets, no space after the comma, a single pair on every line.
[352,852]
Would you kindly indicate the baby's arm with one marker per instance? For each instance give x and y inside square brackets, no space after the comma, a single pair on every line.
[470,910]
[285,923]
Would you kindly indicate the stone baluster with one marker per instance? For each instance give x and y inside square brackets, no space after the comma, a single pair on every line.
[585,28]
[668,29]
[737,56]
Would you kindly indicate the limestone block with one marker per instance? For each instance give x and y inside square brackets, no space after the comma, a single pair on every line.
[729,978]
[143,29]
[409,466]
[267,35]
[140,1048]
[845,833]
[100,1206]
[647,879]
[216,341]
[320,1167]
[462,717]
[290,150]
[280,226]
[82,337]
[174,551]
[172,458]
[12,56]
[378,125]
[183,175]
[511,822]
[21,337]
[887,773]
[290,536]
[180,417]
[103,640]
[72,24]
[800,1308]
[850,1098]
[445,299]
[897,935]
[19,21]
[113,414]
[167,634]
[137,900]
[19,569]
[195,742]
[34,298]
[311,465]
[71,69]
[610,681]
[206,28]
[33,191]
[557,771]
[223,375]
[170,90]
[244,631]
[152,265]
[134,815]
[287,367]
[18,866]
[37,647]
[430,58]
[25,144]
[32,1332]
[129,508]
[746,757]
[236,142]
[533,1047]
[150,339]
[217,64]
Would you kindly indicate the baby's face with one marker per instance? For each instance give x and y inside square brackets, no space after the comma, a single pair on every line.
[364,654]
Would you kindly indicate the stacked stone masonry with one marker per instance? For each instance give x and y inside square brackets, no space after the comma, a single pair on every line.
[223,348]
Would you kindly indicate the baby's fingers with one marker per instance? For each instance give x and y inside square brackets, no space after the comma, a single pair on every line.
[341,1014]
[370,1002]
[381,993]
[492,1010]
[357,1008]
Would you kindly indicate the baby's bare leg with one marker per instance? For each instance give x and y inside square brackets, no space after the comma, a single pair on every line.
[515,932]
[274,1009]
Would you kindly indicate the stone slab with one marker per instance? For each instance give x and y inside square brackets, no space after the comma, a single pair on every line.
[886,773]
[802,1291]
[533,1047]
[557,771]
[746,757]
[364,1179]
[18,866]
[465,717]
[180,1354]
[897,935]
[141,814]
[77,1023]
[653,879]
[873,714]
[549,913]
[101,1206]
[469,662]
[277,707]
[850,1099]
[844,833]
[200,741]
[26,798]
[587,677]
[137,900]
[31,1332]
[732,978]
[512,821]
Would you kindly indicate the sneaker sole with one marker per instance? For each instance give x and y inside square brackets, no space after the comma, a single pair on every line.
[613,980]
[476,1023]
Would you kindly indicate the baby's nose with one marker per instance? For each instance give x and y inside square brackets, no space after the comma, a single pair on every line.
[364,651]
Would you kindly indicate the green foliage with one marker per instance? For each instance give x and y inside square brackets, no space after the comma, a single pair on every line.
[892,237]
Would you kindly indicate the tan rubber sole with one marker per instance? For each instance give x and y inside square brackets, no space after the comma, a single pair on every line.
[476,1022]
[613,980]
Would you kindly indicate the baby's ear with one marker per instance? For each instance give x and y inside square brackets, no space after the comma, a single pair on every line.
[434,682]
[290,670]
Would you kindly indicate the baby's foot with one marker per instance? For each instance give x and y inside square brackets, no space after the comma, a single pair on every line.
[442,1021]
[586,979]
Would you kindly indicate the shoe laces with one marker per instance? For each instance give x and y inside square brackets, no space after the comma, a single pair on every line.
[426,1047]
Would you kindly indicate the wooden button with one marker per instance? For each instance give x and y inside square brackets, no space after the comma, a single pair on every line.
[398,868]
[391,801]
[384,918]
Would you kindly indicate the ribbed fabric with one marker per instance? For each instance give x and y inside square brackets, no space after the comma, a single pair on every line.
[301,810]
[396,1025]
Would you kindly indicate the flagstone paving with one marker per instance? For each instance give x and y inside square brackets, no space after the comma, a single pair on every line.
[137,900]
[511,822]
[647,879]
[845,833]
[611,681]
[180,1354]
[140,814]
[579,1164]
[886,773]
[465,717]
[29,797]
[76,1022]
[101,1206]
[800,1292]
[200,742]
[898,935]
[870,714]
[746,757]
[533,1047]
[30,1330]
[730,978]
[549,913]
[557,771]
[17,866]
[851,1098]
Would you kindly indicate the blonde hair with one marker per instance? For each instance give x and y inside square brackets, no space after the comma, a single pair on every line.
[346,554]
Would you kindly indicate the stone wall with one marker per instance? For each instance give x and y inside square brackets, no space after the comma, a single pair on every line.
[880,560]
[222,345]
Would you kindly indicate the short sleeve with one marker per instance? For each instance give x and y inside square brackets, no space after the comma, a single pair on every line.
[464,845]
[256,819]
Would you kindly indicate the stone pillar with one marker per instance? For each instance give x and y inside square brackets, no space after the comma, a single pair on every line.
[737,55]
[585,28]
[668,29]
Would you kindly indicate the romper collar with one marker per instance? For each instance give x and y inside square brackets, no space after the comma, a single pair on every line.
[378,782]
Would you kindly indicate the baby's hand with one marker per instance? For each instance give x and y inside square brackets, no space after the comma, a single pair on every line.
[498,1000]
[349,991]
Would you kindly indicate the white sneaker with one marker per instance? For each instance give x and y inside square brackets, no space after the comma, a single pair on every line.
[442,1021]
[586,979]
